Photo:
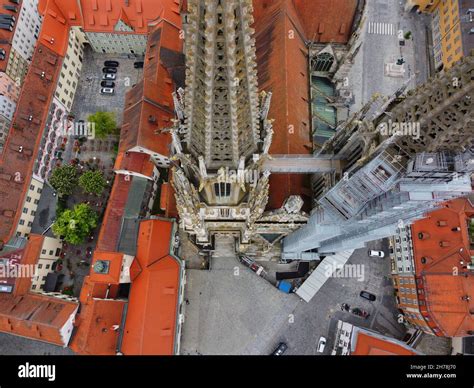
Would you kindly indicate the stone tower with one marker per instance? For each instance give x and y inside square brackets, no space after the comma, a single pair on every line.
[222,133]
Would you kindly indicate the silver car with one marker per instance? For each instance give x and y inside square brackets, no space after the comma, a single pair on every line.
[107,91]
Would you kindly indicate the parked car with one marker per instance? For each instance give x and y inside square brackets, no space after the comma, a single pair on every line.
[108,91]
[367,295]
[138,65]
[360,313]
[107,84]
[380,254]
[281,348]
[109,70]
[111,64]
[321,344]
[109,77]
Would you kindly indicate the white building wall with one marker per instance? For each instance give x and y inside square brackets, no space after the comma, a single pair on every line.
[28,26]
[50,252]
[7,107]
[71,70]
[114,43]
[29,208]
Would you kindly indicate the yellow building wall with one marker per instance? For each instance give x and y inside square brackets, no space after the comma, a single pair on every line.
[425,6]
[447,34]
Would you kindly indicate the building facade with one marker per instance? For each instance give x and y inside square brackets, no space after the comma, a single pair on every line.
[452,24]
[24,40]
[433,270]
[71,69]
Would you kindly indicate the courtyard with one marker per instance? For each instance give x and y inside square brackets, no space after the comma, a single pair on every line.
[88,99]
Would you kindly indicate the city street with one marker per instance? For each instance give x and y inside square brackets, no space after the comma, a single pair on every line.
[380,36]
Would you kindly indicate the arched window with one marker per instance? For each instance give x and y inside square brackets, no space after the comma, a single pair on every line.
[323,62]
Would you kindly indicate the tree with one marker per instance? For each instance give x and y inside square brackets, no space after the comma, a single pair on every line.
[92,182]
[76,224]
[64,179]
[105,123]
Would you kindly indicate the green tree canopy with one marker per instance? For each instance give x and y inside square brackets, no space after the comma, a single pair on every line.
[105,123]
[92,182]
[64,179]
[76,224]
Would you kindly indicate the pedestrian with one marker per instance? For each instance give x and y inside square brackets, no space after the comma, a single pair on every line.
[187,301]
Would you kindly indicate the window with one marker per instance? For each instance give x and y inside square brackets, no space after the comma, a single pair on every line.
[222,189]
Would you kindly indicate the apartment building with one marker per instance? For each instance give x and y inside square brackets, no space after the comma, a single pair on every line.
[351,340]
[24,40]
[71,69]
[432,269]
[4,128]
[9,88]
[50,253]
[115,43]
[403,276]
[30,207]
[452,28]
[422,6]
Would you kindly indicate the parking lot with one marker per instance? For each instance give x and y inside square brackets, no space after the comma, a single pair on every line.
[88,99]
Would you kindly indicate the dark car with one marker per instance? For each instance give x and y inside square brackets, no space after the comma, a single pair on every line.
[109,70]
[111,64]
[368,296]
[107,84]
[360,313]
[138,65]
[281,348]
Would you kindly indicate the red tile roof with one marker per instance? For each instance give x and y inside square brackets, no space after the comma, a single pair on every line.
[28,123]
[138,162]
[114,260]
[149,105]
[112,222]
[36,316]
[282,66]
[99,324]
[27,256]
[99,16]
[327,20]
[6,36]
[443,248]
[150,326]
[367,343]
